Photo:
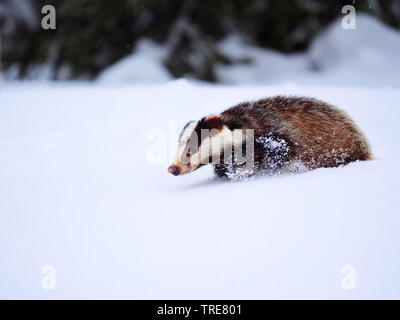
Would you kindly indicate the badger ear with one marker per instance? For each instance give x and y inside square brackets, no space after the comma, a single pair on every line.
[213,122]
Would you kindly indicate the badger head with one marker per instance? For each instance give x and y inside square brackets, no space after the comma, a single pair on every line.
[201,142]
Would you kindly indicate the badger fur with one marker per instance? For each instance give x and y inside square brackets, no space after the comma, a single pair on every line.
[285,131]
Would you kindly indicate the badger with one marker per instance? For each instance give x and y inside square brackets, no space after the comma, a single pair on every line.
[269,136]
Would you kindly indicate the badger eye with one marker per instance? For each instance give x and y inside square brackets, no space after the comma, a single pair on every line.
[188,154]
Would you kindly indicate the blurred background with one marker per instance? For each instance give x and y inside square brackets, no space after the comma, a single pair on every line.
[223,41]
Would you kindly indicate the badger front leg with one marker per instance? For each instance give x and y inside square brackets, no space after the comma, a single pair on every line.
[267,155]
[238,165]
[232,171]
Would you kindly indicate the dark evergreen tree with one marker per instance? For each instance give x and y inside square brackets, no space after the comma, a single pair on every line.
[93,34]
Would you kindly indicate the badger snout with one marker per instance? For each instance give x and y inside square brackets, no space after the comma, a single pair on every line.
[174,170]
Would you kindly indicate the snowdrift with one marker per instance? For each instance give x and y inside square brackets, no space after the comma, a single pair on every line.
[366,56]
[79,194]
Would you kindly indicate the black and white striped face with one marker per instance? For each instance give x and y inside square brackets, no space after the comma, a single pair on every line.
[200,142]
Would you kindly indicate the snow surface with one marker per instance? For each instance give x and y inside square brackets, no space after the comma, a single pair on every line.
[145,65]
[366,56]
[78,192]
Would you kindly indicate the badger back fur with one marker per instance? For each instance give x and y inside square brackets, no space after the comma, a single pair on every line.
[287,130]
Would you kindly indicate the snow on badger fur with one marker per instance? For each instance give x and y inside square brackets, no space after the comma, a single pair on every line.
[268,135]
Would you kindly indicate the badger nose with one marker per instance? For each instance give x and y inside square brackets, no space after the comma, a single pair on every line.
[174,170]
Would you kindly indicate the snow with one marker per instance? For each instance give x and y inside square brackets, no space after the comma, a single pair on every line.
[366,56]
[84,188]
[143,65]
[79,194]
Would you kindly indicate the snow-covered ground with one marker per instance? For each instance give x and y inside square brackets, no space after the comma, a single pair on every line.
[80,192]
[88,210]
[366,56]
